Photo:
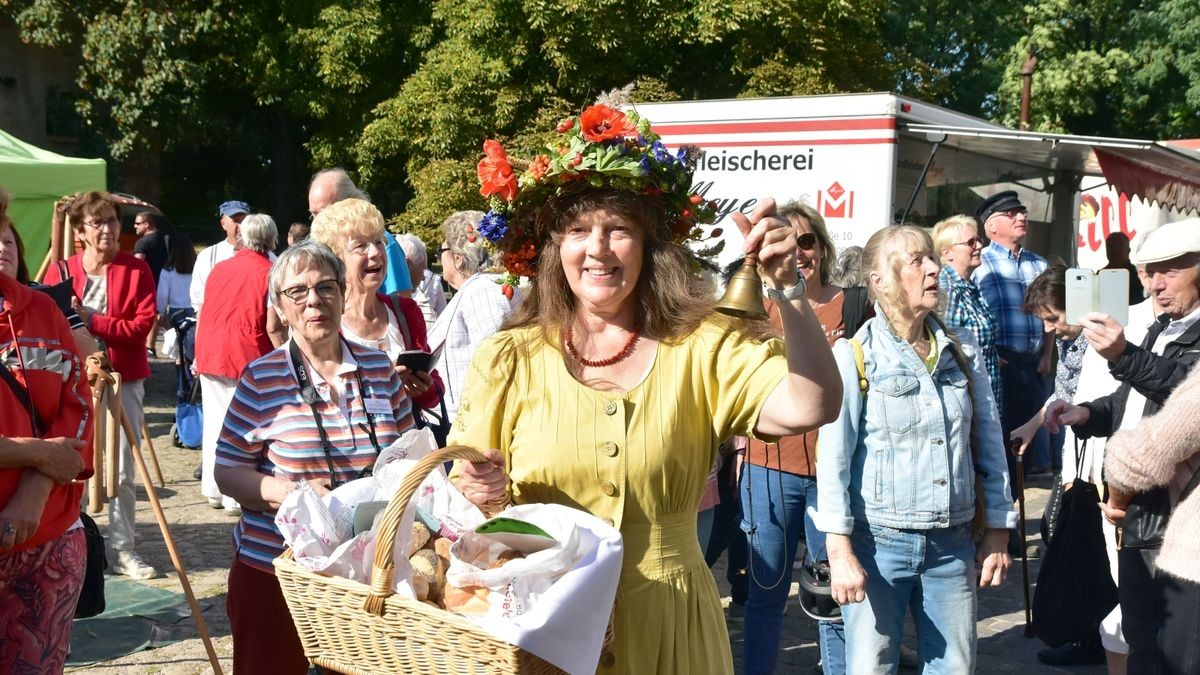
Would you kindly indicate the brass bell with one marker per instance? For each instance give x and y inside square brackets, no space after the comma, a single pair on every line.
[743,296]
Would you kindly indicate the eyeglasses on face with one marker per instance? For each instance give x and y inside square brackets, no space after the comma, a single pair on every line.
[1013,213]
[109,223]
[970,243]
[806,241]
[326,290]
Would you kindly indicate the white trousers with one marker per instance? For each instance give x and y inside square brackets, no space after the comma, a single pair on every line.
[122,511]
[218,394]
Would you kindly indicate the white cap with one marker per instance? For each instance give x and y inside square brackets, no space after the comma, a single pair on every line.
[1167,242]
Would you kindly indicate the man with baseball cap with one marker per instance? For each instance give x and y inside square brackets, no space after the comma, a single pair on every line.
[1147,374]
[1006,269]
[231,213]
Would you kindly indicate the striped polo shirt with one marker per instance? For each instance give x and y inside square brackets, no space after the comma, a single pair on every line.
[270,429]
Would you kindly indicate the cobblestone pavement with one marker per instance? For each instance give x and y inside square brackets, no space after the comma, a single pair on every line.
[202,536]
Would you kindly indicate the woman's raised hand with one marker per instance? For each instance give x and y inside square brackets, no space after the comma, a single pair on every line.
[771,239]
[484,483]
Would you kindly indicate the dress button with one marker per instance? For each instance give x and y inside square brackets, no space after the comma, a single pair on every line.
[937,441]
[940,481]
[610,408]
[608,488]
[608,659]
[610,449]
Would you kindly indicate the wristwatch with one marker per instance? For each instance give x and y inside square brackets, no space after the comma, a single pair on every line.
[789,294]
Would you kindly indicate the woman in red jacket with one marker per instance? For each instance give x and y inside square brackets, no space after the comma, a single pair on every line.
[45,449]
[114,295]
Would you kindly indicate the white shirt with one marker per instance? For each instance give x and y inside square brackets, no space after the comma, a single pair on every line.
[208,259]
[473,315]
[1095,381]
[391,344]
[430,296]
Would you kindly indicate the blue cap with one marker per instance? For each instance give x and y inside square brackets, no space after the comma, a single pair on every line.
[234,207]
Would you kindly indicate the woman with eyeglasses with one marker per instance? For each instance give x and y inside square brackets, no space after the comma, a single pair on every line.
[779,480]
[312,414]
[235,326]
[957,241]
[114,295]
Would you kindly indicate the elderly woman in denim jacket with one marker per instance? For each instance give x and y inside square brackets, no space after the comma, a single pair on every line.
[906,468]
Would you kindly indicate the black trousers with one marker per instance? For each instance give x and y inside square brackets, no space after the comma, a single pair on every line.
[1179,628]
[1141,608]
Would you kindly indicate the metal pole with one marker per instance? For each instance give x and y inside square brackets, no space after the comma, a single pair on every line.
[1020,481]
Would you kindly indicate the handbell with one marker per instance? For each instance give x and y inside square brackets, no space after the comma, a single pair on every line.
[743,296]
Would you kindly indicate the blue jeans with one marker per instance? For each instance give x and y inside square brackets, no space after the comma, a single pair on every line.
[1025,390]
[774,514]
[931,572]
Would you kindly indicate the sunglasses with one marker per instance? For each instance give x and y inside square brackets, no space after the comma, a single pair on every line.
[970,243]
[806,241]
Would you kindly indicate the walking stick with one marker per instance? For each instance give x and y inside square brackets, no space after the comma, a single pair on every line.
[153,454]
[1021,526]
[170,542]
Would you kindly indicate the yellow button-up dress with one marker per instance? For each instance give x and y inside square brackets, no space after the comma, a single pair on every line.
[639,459]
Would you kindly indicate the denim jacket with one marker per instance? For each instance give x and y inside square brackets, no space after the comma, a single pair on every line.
[900,457]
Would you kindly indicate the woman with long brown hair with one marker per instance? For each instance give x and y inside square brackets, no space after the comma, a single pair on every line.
[613,383]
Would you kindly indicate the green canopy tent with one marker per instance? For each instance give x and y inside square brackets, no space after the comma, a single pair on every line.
[36,179]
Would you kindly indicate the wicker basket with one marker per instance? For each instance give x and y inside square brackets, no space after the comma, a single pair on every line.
[356,629]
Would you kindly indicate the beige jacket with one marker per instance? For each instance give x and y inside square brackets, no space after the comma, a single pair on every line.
[1164,449]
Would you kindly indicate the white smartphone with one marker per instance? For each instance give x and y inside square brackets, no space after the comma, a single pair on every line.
[1112,298]
[1106,292]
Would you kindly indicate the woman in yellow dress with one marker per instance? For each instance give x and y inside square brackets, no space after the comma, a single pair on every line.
[611,386]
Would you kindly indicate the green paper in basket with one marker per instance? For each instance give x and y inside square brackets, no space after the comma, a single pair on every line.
[517,534]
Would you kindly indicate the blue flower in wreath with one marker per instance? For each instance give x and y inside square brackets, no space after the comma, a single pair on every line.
[493,226]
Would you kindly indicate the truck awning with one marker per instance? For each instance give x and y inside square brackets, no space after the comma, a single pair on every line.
[1152,170]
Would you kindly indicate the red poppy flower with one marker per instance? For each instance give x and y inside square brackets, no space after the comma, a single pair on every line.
[602,123]
[495,173]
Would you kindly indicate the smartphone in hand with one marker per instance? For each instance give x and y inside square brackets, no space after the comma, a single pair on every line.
[1106,292]
[415,360]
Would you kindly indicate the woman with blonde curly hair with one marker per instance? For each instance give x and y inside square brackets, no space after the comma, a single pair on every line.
[354,230]
[912,471]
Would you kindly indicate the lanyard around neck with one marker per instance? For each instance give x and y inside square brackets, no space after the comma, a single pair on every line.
[308,392]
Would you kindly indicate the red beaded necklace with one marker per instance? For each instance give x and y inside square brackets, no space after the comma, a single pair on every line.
[601,363]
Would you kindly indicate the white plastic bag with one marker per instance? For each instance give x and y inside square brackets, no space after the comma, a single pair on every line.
[170,343]
[319,529]
[554,603]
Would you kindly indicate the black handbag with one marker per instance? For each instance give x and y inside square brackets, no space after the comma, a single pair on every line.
[1075,589]
[438,424]
[91,598]
[1146,519]
[1049,524]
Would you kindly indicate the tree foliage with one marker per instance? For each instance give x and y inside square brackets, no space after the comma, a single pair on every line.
[246,97]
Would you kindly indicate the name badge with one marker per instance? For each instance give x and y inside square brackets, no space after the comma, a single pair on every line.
[379,406]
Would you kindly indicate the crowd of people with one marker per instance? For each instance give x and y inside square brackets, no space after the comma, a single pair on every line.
[863,437]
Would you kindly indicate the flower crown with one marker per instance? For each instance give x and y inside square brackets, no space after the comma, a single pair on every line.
[602,147]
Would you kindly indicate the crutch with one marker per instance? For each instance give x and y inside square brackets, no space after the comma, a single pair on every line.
[152,493]
[1020,481]
[153,454]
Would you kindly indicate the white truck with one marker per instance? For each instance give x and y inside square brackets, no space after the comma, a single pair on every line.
[867,160]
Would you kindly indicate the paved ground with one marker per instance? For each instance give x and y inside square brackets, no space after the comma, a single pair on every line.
[202,536]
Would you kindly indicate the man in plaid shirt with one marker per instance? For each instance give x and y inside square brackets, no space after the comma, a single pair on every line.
[1003,276]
